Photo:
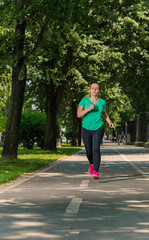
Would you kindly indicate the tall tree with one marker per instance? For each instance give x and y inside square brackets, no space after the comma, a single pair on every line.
[130,36]
[63,34]
[18,87]
[20,13]
[53,100]
[66,50]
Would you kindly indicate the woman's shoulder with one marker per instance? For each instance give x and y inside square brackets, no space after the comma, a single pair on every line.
[83,100]
[102,100]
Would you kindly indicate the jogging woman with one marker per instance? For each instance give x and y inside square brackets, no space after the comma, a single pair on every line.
[92,109]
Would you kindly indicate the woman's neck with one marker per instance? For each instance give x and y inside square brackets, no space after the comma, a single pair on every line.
[94,98]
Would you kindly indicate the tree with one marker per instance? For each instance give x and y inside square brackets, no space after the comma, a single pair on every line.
[34,97]
[118,107]
[53,99]
[64,35]
[130,36]
[74,41]
[18,86]
[68,110]
[104,59]
[19,14]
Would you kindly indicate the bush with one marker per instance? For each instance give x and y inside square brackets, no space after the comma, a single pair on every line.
[32,128]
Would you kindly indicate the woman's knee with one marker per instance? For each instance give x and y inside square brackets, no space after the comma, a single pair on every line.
[96,149]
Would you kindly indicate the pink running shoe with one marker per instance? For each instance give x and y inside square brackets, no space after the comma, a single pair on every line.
[91,170]
[95,175]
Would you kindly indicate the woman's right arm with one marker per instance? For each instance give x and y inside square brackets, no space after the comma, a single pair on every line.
[81,112]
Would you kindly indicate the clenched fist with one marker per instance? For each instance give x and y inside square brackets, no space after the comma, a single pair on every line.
[91,107]
[111,125]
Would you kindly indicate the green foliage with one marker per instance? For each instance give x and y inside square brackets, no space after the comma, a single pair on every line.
[131,36]
[35,93]
[110,43]
[32,128]
[119,107]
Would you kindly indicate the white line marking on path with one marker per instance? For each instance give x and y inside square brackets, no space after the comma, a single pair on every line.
[74,206]
[132,164]
[75,203]
[84,184]
[12,185]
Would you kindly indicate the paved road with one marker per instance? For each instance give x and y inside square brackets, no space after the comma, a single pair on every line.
[64,202]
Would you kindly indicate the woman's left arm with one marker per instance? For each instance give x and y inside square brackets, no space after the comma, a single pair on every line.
[106,117]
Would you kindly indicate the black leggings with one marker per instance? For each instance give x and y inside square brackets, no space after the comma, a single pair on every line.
[92,140]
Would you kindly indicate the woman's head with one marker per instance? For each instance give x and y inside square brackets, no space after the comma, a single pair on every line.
[94,89]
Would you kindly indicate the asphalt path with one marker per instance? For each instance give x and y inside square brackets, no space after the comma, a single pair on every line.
[63,201]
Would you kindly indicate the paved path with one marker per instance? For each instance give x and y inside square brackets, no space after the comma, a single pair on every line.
[64,202]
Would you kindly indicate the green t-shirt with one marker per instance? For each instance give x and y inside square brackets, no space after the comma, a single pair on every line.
[92,120]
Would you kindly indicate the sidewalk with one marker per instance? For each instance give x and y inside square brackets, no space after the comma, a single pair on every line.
[64,202]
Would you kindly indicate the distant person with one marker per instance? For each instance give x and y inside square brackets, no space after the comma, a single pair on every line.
[119,139]
[114,136]
[123,138]
[91,109]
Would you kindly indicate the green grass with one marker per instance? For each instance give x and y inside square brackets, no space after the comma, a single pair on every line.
[30,160]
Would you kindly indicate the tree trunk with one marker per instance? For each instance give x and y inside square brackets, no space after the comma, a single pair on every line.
[79,132]
[75,123]
[51,109]
[17,94]
[53,100]
[10,148]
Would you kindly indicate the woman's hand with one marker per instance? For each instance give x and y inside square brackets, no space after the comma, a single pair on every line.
[91,107]
[111,125]
[81,112]
[106,117]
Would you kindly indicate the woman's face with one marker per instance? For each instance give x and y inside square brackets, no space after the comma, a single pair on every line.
[94,89]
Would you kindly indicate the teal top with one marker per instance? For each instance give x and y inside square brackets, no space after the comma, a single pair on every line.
[92,119]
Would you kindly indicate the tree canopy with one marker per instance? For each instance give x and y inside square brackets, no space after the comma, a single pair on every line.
[57,46]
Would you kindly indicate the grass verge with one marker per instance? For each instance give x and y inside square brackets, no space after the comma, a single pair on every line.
[30,160]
